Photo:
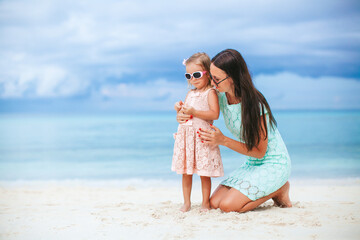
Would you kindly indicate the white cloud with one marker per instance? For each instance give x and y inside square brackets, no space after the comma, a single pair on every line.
[65,48]
[160,94]
[282,90]
[291,91]
[44,81]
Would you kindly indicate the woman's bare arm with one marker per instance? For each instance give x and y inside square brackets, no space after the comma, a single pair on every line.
[216,137]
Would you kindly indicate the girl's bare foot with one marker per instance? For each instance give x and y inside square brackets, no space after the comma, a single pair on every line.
[283,199]
[186,207]
[205,207]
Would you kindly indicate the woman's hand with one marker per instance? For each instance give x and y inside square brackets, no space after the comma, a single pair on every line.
[182,117]
[212,137]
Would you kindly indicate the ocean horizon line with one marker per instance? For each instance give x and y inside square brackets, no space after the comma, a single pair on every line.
[106,113]
[161,182]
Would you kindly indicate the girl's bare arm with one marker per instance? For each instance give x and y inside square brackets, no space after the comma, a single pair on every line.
[212,113]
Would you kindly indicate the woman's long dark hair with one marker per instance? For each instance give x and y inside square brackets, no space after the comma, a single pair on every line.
[233,64]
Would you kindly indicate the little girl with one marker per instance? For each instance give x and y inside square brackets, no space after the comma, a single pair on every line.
[191,155]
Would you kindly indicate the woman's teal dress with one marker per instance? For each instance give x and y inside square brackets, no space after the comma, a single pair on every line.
[256,178]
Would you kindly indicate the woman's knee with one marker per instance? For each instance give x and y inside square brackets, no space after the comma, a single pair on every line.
[225,206]
[214,203]
[218,195]
[234,201]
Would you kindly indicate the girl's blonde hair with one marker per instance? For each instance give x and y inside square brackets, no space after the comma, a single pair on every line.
[201,59]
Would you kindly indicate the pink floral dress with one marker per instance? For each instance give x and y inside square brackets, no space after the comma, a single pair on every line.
[190,154]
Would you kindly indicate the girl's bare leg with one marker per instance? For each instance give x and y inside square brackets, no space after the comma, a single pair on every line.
[206,190]
[235,201]
[186,185]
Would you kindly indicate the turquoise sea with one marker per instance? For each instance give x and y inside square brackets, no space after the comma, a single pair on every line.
[322,145]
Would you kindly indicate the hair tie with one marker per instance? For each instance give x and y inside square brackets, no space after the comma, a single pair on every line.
[184,61]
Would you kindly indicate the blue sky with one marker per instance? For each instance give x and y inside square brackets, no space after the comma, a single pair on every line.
[121,56]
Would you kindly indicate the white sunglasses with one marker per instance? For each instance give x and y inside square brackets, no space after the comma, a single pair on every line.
[196,75]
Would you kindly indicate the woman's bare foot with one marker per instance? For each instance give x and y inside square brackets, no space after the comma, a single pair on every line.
[186,207]
[282,199]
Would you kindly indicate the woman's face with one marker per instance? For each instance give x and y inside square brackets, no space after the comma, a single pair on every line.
[199,83]
[218,75]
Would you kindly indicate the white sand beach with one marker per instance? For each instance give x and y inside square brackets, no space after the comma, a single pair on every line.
[81,210]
